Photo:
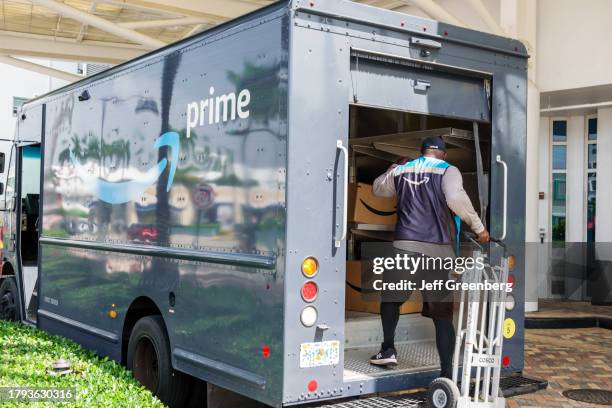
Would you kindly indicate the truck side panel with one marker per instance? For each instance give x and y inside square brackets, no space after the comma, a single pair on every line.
[167,186]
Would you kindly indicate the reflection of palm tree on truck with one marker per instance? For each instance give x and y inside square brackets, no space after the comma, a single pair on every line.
[118,152]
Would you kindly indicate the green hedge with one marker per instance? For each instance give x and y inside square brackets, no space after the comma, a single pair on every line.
[26,356]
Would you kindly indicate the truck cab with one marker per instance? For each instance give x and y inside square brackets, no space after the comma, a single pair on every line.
[20,165]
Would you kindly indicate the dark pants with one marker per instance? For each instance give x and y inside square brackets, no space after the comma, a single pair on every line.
[437,305]
[445,335]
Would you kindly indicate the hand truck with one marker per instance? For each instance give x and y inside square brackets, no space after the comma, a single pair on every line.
[482,339]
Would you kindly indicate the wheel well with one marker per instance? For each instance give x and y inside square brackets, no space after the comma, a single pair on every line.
[140,307]
[7,269]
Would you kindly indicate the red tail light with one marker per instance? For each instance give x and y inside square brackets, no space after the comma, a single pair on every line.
[309,291]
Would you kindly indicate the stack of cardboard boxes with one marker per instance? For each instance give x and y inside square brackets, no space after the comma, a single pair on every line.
[366,208]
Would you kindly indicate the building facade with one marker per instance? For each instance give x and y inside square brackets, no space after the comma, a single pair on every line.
[19,85]
[575,139]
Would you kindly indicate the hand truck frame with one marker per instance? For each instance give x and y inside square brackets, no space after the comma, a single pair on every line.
[481,337]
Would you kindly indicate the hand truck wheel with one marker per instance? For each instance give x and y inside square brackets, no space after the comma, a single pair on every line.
[442,393]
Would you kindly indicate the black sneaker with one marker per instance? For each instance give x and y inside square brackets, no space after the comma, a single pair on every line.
[384,358]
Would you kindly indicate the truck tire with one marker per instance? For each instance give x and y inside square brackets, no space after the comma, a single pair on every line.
[9,303]
[148,356]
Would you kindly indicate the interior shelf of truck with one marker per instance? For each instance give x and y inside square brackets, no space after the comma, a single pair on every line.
[391,146]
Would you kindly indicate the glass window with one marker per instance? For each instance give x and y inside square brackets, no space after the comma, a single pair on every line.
[559,171]
[559,157]
[593,129]
[592,149]
[559,131]
[591,198]
[559,190]
[30,177]
[558,228]
[558,207]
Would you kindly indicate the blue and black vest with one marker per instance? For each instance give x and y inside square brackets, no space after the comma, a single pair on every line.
[422,212]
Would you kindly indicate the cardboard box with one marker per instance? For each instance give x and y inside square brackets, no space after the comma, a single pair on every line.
[366,208]
[370,303]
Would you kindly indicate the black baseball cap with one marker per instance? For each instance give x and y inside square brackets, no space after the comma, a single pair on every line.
[433,142]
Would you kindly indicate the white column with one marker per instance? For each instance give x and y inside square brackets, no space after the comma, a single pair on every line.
[544,177]
[544,207]
[575,195]
[575,254]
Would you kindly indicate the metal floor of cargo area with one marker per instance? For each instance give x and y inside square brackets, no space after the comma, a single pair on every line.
[413,356]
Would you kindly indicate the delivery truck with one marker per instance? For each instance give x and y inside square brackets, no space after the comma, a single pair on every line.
[198,213]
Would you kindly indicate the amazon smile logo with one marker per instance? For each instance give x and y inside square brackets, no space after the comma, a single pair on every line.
[123,191]
[417,183]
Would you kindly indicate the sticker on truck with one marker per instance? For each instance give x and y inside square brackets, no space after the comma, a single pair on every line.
[319,353]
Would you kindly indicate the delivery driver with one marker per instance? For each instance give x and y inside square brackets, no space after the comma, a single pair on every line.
[425,189]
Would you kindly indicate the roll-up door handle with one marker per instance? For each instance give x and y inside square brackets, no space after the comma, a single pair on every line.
[425,43]
[421,85]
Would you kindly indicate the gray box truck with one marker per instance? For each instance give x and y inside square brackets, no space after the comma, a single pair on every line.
[185,213]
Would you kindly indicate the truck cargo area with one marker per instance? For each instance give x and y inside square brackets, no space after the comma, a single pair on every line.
[378,137]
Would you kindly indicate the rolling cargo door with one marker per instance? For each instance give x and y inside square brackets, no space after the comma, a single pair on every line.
[392,82]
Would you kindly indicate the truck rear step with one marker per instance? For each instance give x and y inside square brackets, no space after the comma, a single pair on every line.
[511,385]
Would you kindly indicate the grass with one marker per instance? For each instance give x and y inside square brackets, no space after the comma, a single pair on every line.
[26,356]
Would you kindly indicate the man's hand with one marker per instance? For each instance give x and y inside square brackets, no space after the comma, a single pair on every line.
[402,160]
[484,237]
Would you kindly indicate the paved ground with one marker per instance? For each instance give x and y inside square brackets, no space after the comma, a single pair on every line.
[568,308]
[567,358]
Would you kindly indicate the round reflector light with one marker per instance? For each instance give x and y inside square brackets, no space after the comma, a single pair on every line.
[312,385]
[309,316]
[506,361]
[511,262]
[309,291]
[310,267]
[510,302]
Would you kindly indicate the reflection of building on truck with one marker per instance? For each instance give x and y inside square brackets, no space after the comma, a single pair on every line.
[229,244]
